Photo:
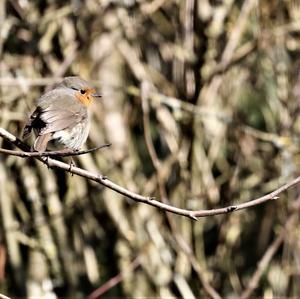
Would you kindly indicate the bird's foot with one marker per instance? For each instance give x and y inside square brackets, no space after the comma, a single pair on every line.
[72,164]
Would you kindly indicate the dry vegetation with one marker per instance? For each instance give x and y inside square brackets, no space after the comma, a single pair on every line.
[201,103]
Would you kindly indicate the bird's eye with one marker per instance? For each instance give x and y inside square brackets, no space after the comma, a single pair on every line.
[82,91]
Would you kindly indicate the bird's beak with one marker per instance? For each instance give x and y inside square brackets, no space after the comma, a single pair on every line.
[95,95]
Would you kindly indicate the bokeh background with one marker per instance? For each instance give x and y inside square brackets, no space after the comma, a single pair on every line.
[201,103]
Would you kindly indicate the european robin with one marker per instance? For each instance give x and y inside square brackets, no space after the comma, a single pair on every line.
[62,114]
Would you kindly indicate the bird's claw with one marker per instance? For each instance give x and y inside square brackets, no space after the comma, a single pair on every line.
[72,164]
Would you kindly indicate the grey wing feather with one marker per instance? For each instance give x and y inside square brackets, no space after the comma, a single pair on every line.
[67,115]
[57,120]
[56,110]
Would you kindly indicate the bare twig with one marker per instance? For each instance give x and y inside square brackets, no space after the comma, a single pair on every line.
[11,81]
[60,153]
[269,254]
[46,81]
[145,90]
[4,297]
[236,33]
[182,244]
[264,262]
[149,8]
[243,52]
[178,104]
[52,163]
[114,280]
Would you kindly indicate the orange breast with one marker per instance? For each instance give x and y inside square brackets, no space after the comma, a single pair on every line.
[85,98]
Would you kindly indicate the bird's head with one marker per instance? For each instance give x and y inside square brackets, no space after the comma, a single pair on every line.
[83,90]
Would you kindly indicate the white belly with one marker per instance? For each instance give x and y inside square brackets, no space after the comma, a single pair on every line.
[73,138]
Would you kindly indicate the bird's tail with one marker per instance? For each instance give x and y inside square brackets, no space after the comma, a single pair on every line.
[41,142]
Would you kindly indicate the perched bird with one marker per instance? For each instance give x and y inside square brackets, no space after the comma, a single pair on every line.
[61,114]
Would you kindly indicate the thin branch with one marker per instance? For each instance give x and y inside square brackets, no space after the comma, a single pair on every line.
[145,90]
[243,52]
[237,30]
[178,104]
[4,297]
[182,244]
[114,280]
[262,265]
[19,81]
[149,8]
[96,177]
[60,153]
[269,254]
[47,81]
